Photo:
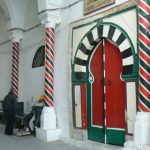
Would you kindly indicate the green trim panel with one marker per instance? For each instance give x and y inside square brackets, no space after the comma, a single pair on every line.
[116,137]
[96,134]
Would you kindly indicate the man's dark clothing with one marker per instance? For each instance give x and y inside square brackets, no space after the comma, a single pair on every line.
[9,112]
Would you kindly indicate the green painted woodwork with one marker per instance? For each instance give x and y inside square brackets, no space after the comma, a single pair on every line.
[94,133]
[115,136]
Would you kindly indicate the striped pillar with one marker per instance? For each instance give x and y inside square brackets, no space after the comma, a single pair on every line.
[49,66]
[15,67]
[144,56]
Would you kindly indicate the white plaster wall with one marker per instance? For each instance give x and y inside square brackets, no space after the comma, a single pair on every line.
[78,34]
[62,80]
[124,20]
[31,80]
[31,18]
[5,73]
[5,59]
[131,106]
[3,32]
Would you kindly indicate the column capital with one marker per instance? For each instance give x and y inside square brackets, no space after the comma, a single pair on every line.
[49,12]
[16,35]
[50,18]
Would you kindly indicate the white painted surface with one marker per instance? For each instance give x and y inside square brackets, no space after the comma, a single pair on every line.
[48,130]
[31,80]
[5,74]
[16,35]
[128,61]
[48,118]
[4,36]
[80,54]
[48,135]
[78,35]
[124,21]
[80,68]
[124,45]
[131,145]
[130,27]
[49,4]
[116,35]
[16,19]
[131,105]
[142,128]
[78,115]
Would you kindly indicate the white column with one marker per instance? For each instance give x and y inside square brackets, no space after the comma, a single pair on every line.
[48,130]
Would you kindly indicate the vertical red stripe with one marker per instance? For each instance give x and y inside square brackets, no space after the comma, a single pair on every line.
[83,103]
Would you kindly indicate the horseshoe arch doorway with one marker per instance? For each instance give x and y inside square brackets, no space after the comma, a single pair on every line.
[102,68]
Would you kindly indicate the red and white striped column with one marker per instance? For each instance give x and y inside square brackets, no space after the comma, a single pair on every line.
[15,67]
[142,120]
[48,117]
[49,66]
[144,56]
[50,19]
[16,35]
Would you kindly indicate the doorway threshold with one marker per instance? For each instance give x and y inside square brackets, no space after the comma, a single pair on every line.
[90,145]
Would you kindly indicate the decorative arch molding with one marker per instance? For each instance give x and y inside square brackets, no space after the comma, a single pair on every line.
[115,34]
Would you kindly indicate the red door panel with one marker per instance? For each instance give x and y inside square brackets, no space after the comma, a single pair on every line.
[97,88]
[109,121]
[115,88]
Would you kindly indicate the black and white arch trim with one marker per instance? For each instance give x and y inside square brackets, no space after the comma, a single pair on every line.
[92,38]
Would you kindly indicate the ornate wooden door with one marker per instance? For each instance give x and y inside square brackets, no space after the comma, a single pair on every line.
[106,95]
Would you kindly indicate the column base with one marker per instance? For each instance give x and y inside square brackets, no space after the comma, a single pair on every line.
[48,135]
[130,145]
[141,140]
[48,130]
[142,128]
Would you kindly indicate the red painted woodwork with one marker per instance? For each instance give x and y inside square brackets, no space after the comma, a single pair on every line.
[115,88]
[83,105]
[97,87]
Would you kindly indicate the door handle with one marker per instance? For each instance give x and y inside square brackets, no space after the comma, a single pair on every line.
[109,82]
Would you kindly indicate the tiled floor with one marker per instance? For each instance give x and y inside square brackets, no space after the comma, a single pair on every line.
[32,143]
